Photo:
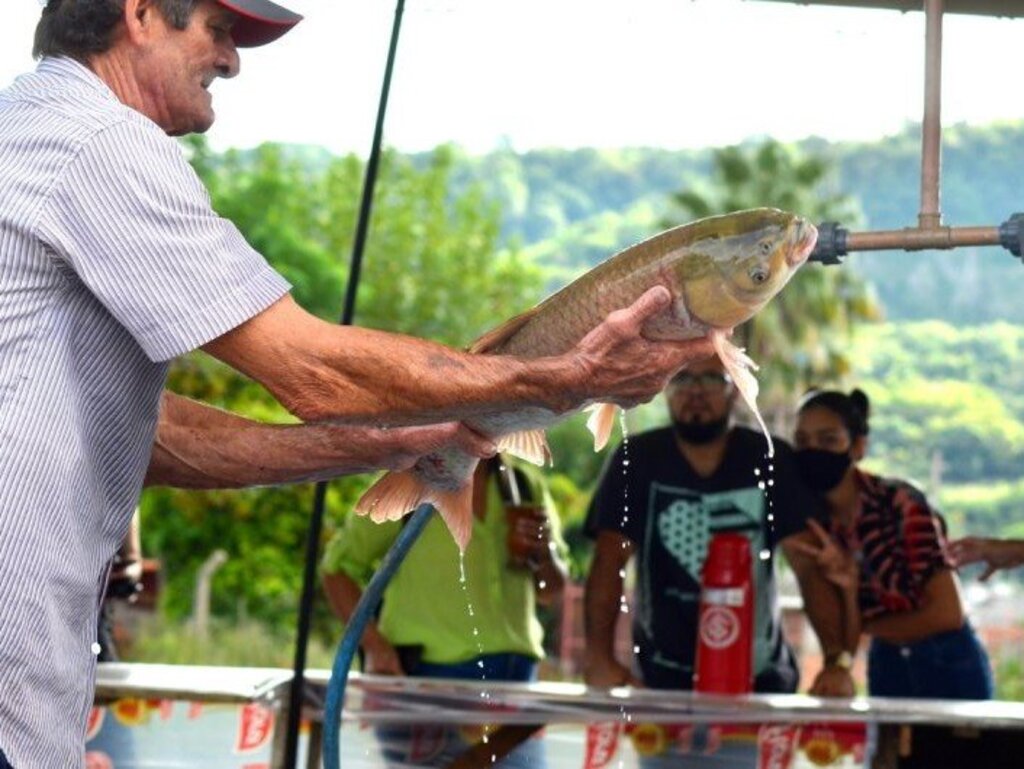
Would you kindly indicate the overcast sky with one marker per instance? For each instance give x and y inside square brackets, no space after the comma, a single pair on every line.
[571,73]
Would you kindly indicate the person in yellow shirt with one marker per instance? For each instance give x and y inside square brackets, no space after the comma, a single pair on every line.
[514,562]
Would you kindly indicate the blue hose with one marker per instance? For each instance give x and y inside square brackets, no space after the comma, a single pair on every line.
[354,632]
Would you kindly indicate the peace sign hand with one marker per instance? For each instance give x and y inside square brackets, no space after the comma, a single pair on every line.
[835,562]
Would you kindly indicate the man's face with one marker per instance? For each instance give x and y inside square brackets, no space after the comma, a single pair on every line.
[176,67]
[701,393]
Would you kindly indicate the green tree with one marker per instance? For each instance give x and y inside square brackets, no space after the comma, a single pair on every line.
[801,337]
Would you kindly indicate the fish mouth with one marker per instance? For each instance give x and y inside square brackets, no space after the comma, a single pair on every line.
[804,239]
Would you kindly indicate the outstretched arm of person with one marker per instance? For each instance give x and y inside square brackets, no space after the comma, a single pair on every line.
[996,554]
[321,371]
[201,447]
[831,607]
[601,611]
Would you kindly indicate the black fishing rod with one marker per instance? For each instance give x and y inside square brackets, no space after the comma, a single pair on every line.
[296,692]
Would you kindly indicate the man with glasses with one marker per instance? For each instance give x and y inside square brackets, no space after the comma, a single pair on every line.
[662,497]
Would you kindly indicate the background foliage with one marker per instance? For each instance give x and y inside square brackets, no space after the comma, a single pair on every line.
[459,243]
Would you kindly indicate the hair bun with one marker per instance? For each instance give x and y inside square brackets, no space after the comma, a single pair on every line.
[859,399]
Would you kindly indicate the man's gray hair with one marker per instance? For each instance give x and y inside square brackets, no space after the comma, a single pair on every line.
[81,28]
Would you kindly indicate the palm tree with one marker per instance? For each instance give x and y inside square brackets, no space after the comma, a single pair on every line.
[800,338]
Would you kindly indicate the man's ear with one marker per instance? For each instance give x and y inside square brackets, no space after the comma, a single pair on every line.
[139,18]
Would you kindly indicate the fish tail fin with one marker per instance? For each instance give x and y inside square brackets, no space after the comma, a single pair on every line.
[397,493]
[530,445]
[739,365]
[601,422]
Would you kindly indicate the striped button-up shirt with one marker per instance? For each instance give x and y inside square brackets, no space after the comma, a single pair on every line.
[112,262]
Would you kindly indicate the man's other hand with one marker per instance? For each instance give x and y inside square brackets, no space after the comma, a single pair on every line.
[398,448]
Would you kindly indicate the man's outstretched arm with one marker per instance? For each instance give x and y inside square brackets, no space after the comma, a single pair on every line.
[320,371]
[202,447]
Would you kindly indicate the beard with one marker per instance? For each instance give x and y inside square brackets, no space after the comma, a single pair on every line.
[699,433]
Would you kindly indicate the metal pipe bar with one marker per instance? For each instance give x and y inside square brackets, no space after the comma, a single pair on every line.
[930,216]
[917,239]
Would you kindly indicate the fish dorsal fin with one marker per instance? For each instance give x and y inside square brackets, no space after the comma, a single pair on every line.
[531,445]
[739,366]
[601,422]
[498,336]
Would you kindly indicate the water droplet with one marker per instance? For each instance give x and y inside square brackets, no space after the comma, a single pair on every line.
[636,650]
[480,664]
[625,463]
[622,573]
[771,481]
[771,468]
[760,485]
[624,609]
[542,584]
[486,738]
[771,518]
[765,554]
[757,471]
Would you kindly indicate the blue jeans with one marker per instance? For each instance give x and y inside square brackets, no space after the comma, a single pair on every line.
[948,666]
[433,745]
[496,667]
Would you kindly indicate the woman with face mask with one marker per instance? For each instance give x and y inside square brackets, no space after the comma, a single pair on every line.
[884,548]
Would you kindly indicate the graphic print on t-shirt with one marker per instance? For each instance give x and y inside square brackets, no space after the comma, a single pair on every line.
[679,525]
[686,520]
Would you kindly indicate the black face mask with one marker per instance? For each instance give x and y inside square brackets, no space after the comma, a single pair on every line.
[821,470]
[699,433]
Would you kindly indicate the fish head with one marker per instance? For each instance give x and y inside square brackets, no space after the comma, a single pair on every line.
[749,256]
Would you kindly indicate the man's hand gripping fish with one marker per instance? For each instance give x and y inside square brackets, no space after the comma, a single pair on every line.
[720,272]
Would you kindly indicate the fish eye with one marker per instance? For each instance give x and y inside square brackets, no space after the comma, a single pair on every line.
[758,275]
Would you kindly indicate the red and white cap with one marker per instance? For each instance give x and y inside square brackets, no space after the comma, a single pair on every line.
[259,21]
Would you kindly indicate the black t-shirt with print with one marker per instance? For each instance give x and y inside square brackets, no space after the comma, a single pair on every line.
[670,512]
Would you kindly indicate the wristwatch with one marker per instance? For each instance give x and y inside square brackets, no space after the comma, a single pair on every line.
[841,659]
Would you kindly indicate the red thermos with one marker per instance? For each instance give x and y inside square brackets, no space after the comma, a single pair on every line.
[725,635]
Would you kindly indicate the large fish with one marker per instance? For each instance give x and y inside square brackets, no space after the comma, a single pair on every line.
[720,271]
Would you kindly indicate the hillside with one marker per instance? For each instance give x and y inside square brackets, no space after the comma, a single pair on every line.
[572,208]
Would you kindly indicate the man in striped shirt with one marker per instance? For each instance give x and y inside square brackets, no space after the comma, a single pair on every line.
[112,263]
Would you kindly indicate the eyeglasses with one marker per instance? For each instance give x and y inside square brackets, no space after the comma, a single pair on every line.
[709,381]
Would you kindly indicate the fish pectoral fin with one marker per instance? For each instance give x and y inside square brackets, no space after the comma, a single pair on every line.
[392,496]
[601,422]
[496,336]
[530,445]
[398,493]
[739,366]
